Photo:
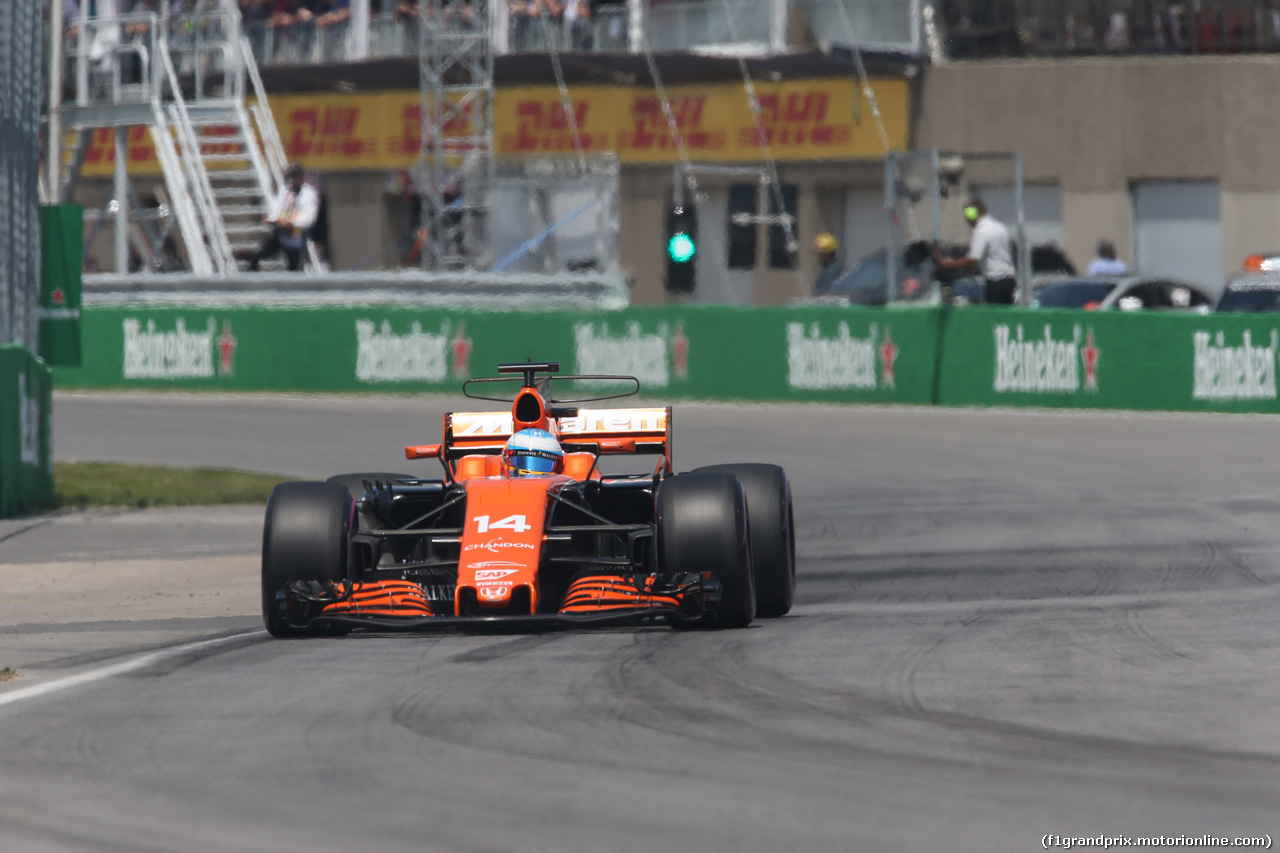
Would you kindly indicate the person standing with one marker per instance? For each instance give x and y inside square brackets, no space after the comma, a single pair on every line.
[293,213]
[1106,262]
[990,254]
[829,264]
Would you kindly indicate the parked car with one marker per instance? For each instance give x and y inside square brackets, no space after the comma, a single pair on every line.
[1125,293]
[920,279]
[1251,293]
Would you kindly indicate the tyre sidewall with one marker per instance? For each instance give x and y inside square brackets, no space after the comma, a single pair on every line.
[771,531]
[701,522]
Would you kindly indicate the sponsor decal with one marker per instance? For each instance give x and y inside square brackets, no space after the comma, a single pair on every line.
[633,353]
[498,546]
[493,575]
[227,350]
[820,363]
[461,346]
[331,129]
[438,591]
[1223,372]
[888,355]
[797,118]
[384,356]
[494,592]
[28,424]
[543,127]
[615,420]
[479,424]
[680,352]
[179,354]
[491,563]
[1042,364]
[650,131]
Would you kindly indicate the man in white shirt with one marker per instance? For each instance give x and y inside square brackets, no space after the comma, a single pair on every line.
[990,254]
[293,212]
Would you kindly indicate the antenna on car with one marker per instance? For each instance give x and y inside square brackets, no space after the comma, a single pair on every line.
[529,368]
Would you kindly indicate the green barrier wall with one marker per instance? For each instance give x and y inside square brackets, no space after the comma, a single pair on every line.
[712,353]
[1113,360]
[982,356]
[26,404]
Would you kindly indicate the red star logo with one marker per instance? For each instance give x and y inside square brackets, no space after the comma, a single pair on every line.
[680,352]
[227,350]
[461,345]
[888,355]
[58,296]
[1089,355]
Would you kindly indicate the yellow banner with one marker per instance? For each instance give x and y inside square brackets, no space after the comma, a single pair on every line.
[798,120]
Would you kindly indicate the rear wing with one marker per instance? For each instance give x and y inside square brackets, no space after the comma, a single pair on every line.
[603,432]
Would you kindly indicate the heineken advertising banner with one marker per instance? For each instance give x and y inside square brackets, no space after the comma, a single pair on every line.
[1113,360]
[722,353]
[979,356]
[61,260]
[26,457]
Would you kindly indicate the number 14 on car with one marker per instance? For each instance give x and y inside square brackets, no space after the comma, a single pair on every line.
[511,522]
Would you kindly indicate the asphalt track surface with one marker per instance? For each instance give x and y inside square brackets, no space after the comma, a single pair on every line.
[1007,625]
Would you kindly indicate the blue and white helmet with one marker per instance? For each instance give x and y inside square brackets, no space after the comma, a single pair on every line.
[532,452]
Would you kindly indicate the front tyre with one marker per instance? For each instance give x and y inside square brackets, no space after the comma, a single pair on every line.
[702,526]
[771,532]
[304,538]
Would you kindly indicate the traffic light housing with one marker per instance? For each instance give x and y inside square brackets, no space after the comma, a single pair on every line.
[681,247]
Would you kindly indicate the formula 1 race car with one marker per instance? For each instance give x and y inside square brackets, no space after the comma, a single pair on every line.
[525,529]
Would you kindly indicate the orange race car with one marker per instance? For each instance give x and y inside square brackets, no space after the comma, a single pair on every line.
[525,528]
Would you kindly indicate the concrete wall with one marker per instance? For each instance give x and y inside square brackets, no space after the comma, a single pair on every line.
[1096,126]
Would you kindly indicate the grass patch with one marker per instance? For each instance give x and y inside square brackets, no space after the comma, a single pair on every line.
[80,485]
[7,674]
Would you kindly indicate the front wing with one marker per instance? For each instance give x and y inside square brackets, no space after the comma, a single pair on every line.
[402,605]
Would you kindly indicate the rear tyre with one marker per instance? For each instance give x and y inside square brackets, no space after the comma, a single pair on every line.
[304,538]
[771,533]
[354,483]
[702,526]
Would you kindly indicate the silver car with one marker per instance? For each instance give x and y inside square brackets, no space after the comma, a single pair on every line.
[1125,293]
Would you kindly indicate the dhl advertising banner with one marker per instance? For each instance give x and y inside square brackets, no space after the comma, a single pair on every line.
[799,120]
[676,353]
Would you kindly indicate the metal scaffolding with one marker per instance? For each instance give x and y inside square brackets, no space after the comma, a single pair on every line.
[455,52]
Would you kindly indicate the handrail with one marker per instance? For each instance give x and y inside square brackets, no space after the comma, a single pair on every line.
[272,146]
[202,191]
[179,199]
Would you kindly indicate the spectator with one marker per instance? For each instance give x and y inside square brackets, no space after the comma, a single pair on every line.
[293,213]
[577,22]
[990,254]
[519,13]
[331,12]
[829,264]
[1105,263]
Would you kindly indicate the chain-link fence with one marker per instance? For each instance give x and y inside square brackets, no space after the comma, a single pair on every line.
[20,98]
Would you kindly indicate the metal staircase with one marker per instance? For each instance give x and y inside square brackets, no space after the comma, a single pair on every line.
[185,77]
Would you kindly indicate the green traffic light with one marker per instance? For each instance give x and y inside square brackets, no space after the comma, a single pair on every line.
[681,247]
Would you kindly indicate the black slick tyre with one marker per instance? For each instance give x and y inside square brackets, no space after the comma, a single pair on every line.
[771,532]
[702,526]
[304,537]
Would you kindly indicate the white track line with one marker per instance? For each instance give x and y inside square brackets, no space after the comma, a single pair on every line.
[146,660]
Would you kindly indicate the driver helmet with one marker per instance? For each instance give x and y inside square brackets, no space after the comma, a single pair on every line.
[532,452]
